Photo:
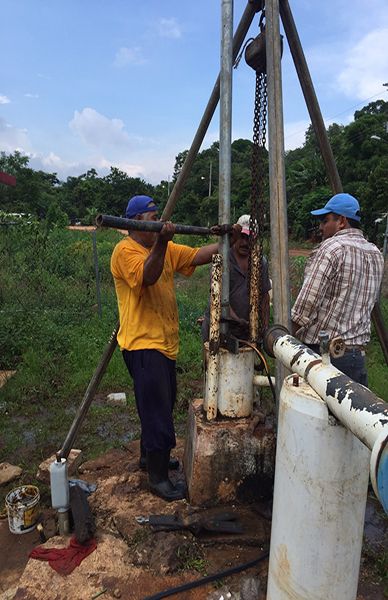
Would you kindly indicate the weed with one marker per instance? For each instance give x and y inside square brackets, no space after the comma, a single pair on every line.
[191,558]
[53,337]
[140,536]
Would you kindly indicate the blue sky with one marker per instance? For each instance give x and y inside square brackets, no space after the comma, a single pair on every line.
[92,84]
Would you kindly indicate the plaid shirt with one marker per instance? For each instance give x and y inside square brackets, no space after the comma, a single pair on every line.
[341,285]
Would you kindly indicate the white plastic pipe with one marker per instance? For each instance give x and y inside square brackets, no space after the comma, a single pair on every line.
[321,485]
[354,405]
[262,381]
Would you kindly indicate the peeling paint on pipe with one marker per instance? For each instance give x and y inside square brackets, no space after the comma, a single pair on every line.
[211,391]
[359,409]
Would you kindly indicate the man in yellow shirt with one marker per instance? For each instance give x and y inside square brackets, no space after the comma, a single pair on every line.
[143,266]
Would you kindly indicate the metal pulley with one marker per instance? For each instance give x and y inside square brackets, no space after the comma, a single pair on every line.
[255,54]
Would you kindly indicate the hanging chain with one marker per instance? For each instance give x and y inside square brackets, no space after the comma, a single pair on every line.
[256,223]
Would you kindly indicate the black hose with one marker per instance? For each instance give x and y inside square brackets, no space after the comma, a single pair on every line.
[270,382]
[208,579]
[264,363]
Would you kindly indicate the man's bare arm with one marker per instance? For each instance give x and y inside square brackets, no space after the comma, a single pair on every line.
[204,254]
[153,265]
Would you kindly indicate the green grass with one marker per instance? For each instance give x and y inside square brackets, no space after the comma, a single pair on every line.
[51,334]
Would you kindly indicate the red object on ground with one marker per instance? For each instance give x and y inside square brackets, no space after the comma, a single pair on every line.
[65,560]
[7,179]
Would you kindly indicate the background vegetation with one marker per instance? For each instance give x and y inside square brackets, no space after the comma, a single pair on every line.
[50,330]
[362,162]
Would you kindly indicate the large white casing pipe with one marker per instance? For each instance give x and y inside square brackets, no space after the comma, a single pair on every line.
[321,484]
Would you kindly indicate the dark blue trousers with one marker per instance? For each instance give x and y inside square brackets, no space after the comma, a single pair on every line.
[154,379]
[352,363]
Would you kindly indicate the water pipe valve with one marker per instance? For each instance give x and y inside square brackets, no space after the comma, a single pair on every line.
[324,347]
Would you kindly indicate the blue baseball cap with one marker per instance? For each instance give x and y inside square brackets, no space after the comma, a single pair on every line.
[341,204]
[138,205]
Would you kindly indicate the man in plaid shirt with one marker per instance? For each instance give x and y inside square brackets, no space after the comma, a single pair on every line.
[341,285]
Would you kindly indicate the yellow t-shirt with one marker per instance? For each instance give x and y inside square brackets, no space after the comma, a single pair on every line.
[148,314]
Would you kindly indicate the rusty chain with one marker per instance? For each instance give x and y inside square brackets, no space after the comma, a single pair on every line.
[256,223]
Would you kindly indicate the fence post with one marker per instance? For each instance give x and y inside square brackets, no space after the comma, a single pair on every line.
[97,273]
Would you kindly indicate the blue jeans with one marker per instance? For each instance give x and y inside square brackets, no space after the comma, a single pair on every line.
[352,363]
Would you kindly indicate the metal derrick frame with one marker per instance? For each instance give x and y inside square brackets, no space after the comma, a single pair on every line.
[278,206]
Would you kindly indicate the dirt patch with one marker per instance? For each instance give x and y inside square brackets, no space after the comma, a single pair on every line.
[299,252]
[133,561]
[92,228]
[5,376]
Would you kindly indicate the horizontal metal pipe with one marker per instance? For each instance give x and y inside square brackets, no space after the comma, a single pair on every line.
[356,407]
[155,226]
[359,409]
[262,381]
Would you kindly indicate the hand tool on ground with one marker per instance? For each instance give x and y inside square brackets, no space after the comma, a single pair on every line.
[222,522]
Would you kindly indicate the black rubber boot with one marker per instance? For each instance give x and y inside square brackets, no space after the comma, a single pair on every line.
[173,464]
[159,482]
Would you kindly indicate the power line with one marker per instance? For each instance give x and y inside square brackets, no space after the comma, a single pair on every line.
[361,103]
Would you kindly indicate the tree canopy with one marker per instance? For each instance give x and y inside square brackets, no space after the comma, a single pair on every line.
[360,150]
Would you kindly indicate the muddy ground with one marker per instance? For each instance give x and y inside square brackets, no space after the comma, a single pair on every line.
[133,562]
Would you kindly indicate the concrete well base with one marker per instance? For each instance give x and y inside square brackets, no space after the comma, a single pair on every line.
[228,460]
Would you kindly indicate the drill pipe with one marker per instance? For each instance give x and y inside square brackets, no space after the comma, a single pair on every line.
[156,226]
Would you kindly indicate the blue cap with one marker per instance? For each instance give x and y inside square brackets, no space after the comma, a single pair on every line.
[138,205]
[341,204]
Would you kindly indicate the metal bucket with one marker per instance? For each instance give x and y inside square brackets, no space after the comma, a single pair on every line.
[22,505]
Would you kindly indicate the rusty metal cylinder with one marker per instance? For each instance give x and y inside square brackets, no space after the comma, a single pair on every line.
[211,380]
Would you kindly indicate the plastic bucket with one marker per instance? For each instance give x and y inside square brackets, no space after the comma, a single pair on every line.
[22,505]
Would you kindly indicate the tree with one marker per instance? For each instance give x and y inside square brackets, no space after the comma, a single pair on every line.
[55,216]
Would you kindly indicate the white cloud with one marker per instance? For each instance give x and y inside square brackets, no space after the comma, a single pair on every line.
[13,138]
[366,66]
[29,95]
[128,168]
[294,134]
[4,100]
[169,28]
[53,163]
[129,56]
[96,130]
